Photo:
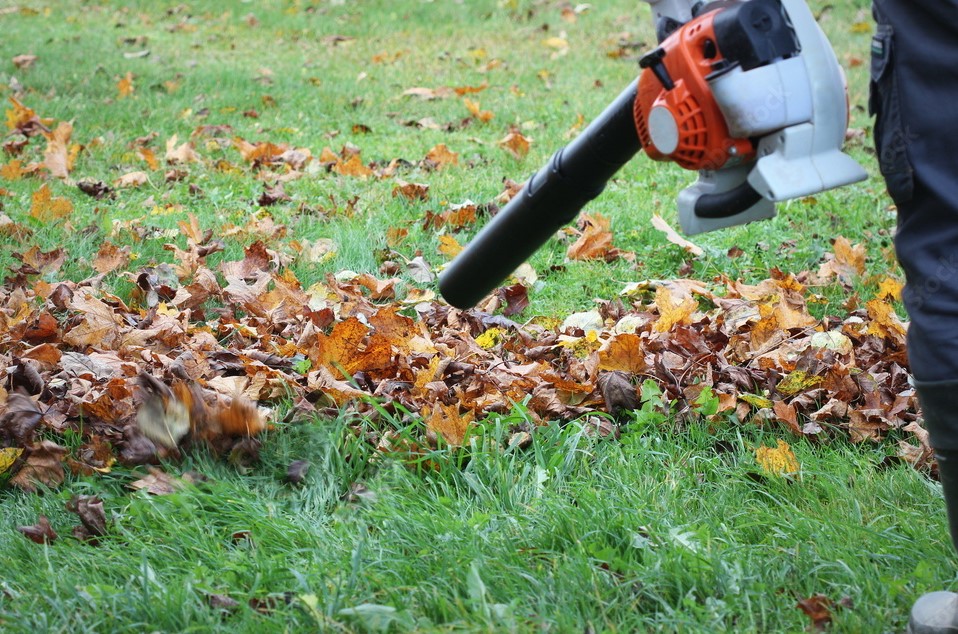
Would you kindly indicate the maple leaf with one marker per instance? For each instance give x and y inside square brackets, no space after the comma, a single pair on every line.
[25,121]
[624,353]
[132,179]
[447,421]
[476,112]
[111,257]
[449,246]
[411,191]
[353,166]
[440,157]
[672,310]
[516,144]
[47,208]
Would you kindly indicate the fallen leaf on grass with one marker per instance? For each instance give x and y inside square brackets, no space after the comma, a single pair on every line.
[440,157]
[46,207]
[818,609]
[89,508]
[516,144]
[779,461]
[41,532]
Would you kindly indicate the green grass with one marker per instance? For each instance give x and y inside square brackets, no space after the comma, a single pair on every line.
[665,529]
[661,530]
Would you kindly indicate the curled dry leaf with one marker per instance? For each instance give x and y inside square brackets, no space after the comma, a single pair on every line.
[89,508]
[40,533]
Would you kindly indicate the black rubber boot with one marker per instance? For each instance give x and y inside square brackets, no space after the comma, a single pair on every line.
[938,611]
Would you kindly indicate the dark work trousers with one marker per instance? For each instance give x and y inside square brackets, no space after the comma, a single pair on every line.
[914,95]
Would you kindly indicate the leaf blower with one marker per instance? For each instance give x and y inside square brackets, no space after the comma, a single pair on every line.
[746,92]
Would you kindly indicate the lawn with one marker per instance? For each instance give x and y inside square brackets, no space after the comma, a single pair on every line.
[251,202]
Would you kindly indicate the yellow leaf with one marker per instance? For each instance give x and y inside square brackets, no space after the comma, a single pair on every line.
[490,338]
[448,422]
[850,255]
[861,27]
[449,246]
[672,311]
[8,456]
[797,381]
[780,460]
[555,42]
[890,288]
[884,322]
[475,111]
[45,207]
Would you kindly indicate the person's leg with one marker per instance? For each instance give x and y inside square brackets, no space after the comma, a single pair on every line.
[915,98]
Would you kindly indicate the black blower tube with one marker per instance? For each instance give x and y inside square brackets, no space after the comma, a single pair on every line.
[550,199]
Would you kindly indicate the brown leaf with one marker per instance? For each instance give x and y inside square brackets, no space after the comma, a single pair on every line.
[23,62]
[41,532]
[296,472]
[818,609]
[43,467]
[92,516]
[96,189]
[158,483]
[618,392]
[132,179]
[180,154]
[111,257]
[411,191]
[19,420]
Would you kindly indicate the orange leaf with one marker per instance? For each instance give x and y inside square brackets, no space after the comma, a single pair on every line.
[595,243]
[47,208]
[623,352]
[149,156]
[13,170]
[125,86]
[475,111]
[352,167]
[516,144]
[441,156]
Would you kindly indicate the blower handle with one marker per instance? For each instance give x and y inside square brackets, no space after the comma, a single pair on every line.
[550,199]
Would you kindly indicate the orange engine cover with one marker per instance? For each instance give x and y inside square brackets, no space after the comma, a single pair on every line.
[684,123]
